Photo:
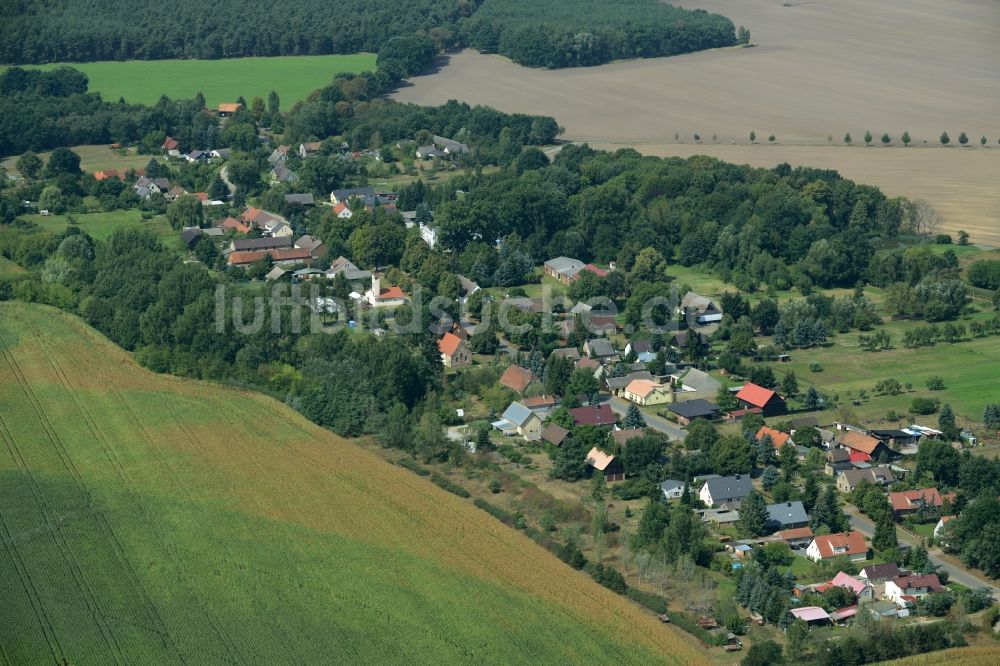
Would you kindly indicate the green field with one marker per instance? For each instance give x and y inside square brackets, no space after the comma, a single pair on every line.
[8,267]
[292,77]
[102,225]
[149,519]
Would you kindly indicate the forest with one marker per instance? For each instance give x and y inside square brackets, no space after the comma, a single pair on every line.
[561,33]
[575,33]
[37,31]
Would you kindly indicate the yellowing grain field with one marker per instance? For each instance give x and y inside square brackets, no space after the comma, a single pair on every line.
[820,69]
[148,519]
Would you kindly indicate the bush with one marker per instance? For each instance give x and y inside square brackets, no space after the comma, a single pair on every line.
[413,466]
[924,406]
[505,517]
[449,485]
[942,239]
[653,602]
[815,367]
[935,383]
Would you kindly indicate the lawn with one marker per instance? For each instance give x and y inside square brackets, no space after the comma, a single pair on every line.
[95,158]
[8,267]
[102,225]
[146,519]
[292,77]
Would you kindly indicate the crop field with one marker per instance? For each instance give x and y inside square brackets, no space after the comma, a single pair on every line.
[820,69]
[968,656]
[150,519]
[102,225]
[292,77]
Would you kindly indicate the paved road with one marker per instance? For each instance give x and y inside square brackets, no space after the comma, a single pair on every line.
[672,431]
[955,573]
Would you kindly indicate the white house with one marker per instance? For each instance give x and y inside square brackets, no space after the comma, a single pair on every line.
[672,489]
[844,544]
[907,589]
[725,490]
[384,297]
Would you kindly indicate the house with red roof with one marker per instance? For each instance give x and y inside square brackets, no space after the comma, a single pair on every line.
[517,379]
[861,588]
[843,544]
[595,415]
[454,351]
[778,438]
[909,502]
[863,447]
[170,143]
[767,401]
[384,297]
[798,537]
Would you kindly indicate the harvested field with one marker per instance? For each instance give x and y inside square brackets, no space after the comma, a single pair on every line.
[820,69]
[149,519]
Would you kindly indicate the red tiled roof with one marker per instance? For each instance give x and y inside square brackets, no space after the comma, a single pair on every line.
[229,107]
[758,396]
[243,258]
[908,499]
[289,254]
[854,541]
[516,378]
[233,223]
[594,415]
[796,533]
[389,293]
[449,344]
[539,401]
[859,456]
[859,441]
[170,143]
[777,437]
[340,208]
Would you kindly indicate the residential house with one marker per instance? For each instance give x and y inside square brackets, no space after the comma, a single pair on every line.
[175,193]
[384,297]
[228,108]
[908,589]
[939,527]
[622,437]
[766,400]
[786,515]
[865,447]
[909,502]
[449,146]
[861,588]
[468,286]
[278,155]
[879,573]
[811,615]
[261,219]
[798,537]
[454,351]
[690,410]
[572,353]
[646,392]
[726,491]
[309,148]
[555,434]
[220,153]
[519,420]
[609,465]
[429,234]
[617,384]
[838,460]
[563,269]
[429,152]
[231,223]
[280,256]
[537,403]
[693,380]
[596,415]
[196,156]
[517,379]
[351,273]
[282,174]
[778,438]
[843,544]
[849,479]
[642,349]
[599,348]
[896,439]
[315,246]
[345,195]
[170,143]
[699,310]
[342,211]
[305,199]
[672,489]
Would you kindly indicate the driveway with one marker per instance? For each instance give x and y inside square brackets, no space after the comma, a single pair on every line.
[957,574]
[672,431]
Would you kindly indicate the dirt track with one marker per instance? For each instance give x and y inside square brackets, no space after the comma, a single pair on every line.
[820,69]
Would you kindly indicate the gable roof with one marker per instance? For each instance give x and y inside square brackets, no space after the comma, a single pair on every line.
[564,266]
[599,459]
[390,293]
[554,434]
[858,441]
[306,199]
[539,401]
[692,409]
[930,581]
[778,438]
[758,396]
[600,347]
[699,380]
[244,244]
[810,613]
[854,542]
[787,513]
[310,243]
[449,344]
[850,582]
[642,387]
[880,571]
[621,437]
[516,378]
[909,499]
[518,414]
[229,107]
[593,415]
[796,533]
[729,487]
[856,476]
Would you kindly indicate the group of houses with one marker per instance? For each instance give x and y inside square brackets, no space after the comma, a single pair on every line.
[171,147]
[441,148]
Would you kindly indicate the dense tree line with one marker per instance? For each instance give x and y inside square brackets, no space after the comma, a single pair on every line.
[37,31]
[572,33]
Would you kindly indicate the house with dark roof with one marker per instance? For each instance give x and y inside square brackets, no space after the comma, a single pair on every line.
[596,415]
[690,410]
[567,352]
[786,515]
[599,348]
[313,245]
[766,400]
[351,273]
[190,237]
[622,437]
[849,479]
[672,489]
[699,310]
[252,244]
[726,490]
[879,573]
[555,434]
[908,589]
[306,199]
[345,195]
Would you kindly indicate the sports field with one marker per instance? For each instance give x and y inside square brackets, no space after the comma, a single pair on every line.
[150,519]
[292,77]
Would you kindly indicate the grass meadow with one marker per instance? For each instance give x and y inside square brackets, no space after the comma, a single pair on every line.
[94,158]
[292,77]
[102,225]
[151,519]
